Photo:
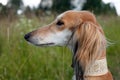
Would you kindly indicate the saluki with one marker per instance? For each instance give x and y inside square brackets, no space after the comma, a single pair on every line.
[81,32]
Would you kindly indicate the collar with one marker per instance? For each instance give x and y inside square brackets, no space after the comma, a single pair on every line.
[99,67]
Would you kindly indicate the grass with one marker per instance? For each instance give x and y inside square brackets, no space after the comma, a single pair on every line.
[21,61]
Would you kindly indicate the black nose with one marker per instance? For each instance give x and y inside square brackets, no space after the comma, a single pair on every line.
[27,36]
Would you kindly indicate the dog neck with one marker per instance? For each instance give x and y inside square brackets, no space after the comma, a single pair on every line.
[96,68]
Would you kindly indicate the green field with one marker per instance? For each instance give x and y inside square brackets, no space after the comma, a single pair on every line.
[22,61]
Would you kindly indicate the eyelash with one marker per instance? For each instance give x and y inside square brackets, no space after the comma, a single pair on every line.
[59,23]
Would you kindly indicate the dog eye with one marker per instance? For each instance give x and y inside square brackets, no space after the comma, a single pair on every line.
[59,23]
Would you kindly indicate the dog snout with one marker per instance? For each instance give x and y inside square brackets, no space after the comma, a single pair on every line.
[27,36]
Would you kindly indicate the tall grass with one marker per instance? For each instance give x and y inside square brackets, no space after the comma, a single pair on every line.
[21,61]
[111,27]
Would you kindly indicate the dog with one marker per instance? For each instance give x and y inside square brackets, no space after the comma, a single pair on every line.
[80,31]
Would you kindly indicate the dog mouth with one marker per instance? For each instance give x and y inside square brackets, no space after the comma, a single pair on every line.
[45,44]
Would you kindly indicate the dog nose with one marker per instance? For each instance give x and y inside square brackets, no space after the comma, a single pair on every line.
[27,36]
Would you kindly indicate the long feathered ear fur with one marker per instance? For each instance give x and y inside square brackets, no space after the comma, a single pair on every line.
[91,42]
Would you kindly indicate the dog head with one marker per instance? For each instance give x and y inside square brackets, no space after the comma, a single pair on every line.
[61,29]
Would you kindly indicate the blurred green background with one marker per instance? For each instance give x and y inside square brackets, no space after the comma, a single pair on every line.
[21,61]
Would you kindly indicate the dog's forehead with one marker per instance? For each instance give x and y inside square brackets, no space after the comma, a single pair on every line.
[64,14]
[60,16]
[68,14]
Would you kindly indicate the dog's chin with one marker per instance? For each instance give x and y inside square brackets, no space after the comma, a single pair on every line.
[40,44]
[45,44]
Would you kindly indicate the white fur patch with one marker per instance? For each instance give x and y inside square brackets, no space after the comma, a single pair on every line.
[59,38]
[98,68]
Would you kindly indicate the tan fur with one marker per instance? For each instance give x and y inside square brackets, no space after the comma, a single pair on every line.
[91,42]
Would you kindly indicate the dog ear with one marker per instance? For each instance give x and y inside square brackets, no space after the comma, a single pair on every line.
[91,42]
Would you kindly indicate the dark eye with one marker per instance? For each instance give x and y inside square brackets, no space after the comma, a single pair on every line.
[59,23]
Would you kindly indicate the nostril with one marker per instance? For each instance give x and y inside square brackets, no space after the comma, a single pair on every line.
[27,36]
